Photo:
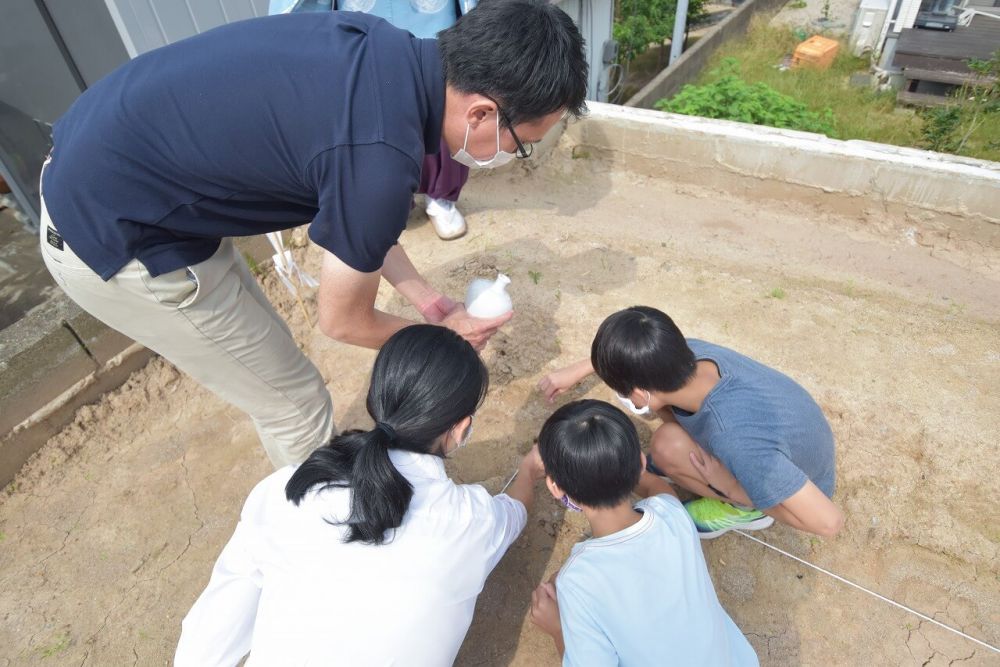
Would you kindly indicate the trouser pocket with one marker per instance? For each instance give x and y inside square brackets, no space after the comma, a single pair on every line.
[190,285]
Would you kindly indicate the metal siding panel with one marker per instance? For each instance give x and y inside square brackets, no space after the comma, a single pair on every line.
[207,14]
[174,19]
[144,28]
[237,10]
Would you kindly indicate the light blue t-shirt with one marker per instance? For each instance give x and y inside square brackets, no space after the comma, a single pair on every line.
[643,596]
[765,428]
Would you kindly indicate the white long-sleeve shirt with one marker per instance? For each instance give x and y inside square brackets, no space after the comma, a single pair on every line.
[289,591]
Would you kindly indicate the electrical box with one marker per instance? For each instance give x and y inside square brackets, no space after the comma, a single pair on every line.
[869,20]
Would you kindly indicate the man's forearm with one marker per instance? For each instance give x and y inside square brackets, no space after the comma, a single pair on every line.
[371,331]
[401,274]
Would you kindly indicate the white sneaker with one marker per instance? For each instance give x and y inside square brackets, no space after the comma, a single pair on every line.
[446,218]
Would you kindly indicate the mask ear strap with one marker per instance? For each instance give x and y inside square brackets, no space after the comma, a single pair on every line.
[468,129]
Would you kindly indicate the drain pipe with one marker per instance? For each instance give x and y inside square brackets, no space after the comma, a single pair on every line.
[680,26]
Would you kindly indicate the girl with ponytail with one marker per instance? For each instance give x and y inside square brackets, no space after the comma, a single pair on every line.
[367,553]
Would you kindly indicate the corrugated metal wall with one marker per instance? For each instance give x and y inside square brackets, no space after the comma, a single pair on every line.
[148,24]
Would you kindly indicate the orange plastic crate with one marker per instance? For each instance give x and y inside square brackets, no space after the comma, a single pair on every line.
[817,52]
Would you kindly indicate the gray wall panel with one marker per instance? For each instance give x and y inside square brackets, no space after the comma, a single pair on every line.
[90,35]
[207,14]
[34,76]
[174,19]
[152,23]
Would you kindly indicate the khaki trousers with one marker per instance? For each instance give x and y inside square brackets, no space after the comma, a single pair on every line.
[213,322]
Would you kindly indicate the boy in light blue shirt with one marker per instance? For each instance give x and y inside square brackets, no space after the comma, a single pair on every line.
[637,593]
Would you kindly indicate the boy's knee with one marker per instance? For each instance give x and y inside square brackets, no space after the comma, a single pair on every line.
[670,445]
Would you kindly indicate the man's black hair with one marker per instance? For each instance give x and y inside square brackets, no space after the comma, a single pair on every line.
[591,450]
[641,348]
[527,55]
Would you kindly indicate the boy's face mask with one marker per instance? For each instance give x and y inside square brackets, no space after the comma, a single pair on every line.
[630,406]
[569,504]
[463,157]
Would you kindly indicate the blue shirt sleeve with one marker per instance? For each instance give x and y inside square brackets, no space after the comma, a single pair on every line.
[586,643]
[364,193]
[765,472]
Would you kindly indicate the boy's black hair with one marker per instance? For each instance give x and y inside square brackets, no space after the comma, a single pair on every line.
[641,347]
[591,450]
[525,54]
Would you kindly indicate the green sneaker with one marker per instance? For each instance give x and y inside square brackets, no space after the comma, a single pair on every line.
[713,517]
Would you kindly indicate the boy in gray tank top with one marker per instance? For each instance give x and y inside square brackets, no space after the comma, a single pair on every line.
[746,438]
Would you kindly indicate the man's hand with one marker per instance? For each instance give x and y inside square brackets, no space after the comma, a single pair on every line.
[545,611]
[476,330]
[564,379]
[436,308]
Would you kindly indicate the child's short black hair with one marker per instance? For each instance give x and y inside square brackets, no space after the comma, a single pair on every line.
[591,450]
[641,347]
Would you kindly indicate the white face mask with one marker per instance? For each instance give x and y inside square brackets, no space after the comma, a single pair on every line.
[500,159]
[627,402]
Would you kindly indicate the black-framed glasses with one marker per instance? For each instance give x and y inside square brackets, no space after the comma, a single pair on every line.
[523,151]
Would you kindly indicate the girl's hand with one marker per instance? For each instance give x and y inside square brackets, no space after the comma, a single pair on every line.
[545,609]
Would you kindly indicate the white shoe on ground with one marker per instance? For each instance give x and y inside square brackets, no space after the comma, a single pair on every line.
[447,219]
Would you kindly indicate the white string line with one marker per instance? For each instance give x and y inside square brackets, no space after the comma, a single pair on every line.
[509,481]
[872,593]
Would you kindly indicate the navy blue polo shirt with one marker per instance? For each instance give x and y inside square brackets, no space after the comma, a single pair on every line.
[253,127]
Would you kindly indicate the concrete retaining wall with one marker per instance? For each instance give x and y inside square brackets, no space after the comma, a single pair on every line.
[693,61]
[779,164]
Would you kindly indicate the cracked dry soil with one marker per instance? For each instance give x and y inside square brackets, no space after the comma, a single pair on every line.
[110,532]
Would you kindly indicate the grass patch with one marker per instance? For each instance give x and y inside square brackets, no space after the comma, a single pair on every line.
[777,293]
[58,645]
[252,264]
[857,113]
[535,276]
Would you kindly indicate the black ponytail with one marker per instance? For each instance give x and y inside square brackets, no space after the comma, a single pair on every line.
[426,379]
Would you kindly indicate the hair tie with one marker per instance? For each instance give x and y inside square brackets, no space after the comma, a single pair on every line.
[388,430]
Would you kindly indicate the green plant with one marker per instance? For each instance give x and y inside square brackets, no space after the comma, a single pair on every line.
[732,98]
[777,293]
[60,644]
[535,276]
[640,23]
[941,127]
[977,105]
[798,4]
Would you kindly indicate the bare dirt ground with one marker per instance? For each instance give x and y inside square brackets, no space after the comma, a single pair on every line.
[109,534]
